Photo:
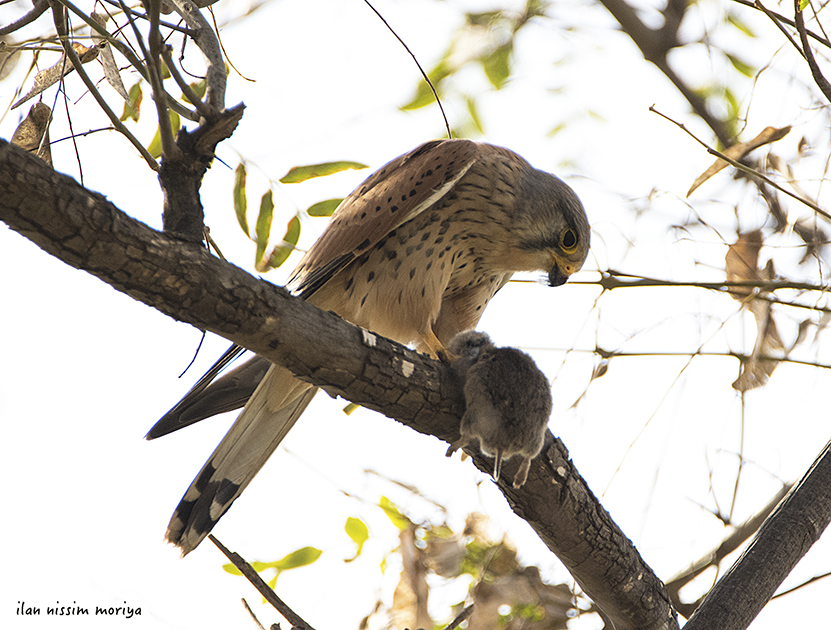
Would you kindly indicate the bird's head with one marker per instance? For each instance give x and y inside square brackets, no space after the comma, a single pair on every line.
[550,228]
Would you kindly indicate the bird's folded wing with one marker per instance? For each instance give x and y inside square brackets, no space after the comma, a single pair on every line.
[264,422]
[207,398]
[396,193]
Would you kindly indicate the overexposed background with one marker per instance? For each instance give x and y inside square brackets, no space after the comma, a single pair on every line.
[87,370]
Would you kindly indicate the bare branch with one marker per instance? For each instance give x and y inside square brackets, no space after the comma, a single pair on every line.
[262,588]
[819,79]
[39,8]
[744,168]
[63,33]
[206,40]
[784,538]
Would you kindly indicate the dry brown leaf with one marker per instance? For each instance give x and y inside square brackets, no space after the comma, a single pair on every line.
[742,262]
[33,133]
[107,60]
[49,77]
[740,150]
[546,606]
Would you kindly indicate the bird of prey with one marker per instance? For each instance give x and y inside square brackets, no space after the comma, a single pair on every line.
[415,254]
[507,400]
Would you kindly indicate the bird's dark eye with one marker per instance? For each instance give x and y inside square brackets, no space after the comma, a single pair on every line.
[568,240]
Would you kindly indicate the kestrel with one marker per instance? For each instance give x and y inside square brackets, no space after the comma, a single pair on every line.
[508,402]
[415,254]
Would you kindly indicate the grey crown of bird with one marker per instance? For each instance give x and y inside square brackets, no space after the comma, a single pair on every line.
[415,254]
[507,402]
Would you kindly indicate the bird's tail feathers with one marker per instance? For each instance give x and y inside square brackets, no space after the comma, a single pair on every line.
[268,416]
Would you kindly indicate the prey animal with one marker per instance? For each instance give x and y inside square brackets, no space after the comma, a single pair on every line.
[508,402]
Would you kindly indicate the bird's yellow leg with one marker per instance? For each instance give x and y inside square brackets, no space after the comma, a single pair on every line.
[436,347]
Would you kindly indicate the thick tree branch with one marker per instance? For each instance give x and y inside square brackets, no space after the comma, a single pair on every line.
[796,524]
[183,281]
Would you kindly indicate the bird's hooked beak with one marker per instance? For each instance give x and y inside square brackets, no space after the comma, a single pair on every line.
[558,275]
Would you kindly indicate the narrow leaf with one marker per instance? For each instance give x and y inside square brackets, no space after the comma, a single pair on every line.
[199,88]
[132,108]
[240,199]
[424,95]
[394,514]
[50,76]
[497,65]
[473,111]
[323,208]
[357,530]
[299,558]
[263,229]
[302,173]
[155,146]
[281,252]
[746,69]
[739,24]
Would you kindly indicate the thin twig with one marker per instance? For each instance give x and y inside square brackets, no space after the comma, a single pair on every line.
[205,38]
[744,168]
[271,597]
[39,8]
[756,4]
[205,111]
[805,583]
[169,148]
[130,56]
[467,612]
[820,80]
[776,19]
[251,612]
[420,69]
[174,27]
[79,68]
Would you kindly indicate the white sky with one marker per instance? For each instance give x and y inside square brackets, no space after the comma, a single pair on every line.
[88,370]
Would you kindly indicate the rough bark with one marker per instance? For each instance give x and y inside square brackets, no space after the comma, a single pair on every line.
[183,281]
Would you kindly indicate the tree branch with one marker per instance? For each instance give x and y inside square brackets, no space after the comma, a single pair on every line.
[183,281]
[784,538]
[655,45]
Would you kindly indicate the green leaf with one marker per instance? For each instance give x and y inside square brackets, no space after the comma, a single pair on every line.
[746,69]
[497,65]
[230,568]
[263,229]
[557,129]
[199,88]
[424,95]
[323,208]
[240,199]
[394,514]
[357,530]
[742,26]
[473,110]
[155,147]
[487,18]
[803,4]
[281,252]
[299,558]
[302,173]
[132,108]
